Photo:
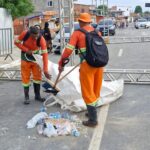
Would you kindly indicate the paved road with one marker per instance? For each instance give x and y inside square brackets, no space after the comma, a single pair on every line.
[127,120]
[127,125]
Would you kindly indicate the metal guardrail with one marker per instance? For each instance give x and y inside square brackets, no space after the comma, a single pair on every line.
[130,76]
[6,42]
[122,40]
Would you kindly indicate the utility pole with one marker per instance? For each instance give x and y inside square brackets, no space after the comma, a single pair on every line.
[71,24]
[61,18]
[70,15]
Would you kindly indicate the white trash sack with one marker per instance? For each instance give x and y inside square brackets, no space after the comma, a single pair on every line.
[70,97]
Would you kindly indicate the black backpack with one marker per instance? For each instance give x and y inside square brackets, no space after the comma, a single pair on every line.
[28,35]
[96,49]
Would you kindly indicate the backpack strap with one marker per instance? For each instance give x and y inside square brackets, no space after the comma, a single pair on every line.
[27,35]
[38,41]
[85,32]
[82,30]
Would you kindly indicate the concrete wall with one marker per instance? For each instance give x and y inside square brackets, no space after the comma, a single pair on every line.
[42,5]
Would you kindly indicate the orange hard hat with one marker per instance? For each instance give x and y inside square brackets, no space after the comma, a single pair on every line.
[85,17]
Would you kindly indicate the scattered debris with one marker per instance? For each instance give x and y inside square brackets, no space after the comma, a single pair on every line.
[3,131]
[32,138]
[55,124]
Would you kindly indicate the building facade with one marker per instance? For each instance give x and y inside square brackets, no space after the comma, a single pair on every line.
[45,5]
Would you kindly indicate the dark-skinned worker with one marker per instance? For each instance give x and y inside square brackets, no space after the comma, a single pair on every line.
[28,66]
[90,77]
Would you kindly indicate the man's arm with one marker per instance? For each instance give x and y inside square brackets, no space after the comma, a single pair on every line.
[69,48]
[19,42]
[45,57]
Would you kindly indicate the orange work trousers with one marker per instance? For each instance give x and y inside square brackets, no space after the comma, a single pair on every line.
[28,68]
[91,82]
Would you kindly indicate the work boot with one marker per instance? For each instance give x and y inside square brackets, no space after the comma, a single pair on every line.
[26,94]
[92,115]
[37,92]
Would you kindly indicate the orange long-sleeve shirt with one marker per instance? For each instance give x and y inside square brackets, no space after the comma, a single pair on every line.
[31,44]
[77,39]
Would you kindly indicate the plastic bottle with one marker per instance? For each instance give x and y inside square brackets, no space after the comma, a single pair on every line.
[55,115]
[49,130]
[43,109]
[75,132]
[32,122]
[40,128]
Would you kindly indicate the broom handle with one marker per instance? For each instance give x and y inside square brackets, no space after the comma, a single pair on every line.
[68,72]
[64,62]
[56,80]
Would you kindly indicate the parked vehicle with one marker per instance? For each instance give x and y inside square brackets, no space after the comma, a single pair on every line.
[56,41]
[148,23]
[141,23]
[106,27]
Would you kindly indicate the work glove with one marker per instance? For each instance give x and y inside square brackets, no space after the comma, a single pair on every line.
[60,66]
[62,62]
[29,52]
[64,59]
[47,75]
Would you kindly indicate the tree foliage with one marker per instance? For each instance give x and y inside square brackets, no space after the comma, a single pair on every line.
[147,12]
[138,10]
[102,9]
[17,8]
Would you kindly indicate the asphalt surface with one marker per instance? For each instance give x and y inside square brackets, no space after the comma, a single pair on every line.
[127,120]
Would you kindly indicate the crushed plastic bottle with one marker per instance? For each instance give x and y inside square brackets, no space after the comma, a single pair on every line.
[65,115]
[32,122]
[75,132]
[43,109]
[40,128]
[49,130]
[56,115]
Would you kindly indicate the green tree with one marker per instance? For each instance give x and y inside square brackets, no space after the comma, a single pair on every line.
[17,8]
[138,10]
[102,9]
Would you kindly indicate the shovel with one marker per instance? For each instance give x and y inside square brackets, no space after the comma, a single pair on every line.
[53,89]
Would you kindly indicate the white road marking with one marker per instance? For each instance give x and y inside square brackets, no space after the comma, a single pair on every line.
[120,53]
[98,132]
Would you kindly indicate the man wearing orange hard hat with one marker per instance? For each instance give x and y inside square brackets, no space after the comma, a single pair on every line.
[90,77]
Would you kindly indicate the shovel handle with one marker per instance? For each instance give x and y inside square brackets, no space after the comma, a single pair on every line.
[68,72]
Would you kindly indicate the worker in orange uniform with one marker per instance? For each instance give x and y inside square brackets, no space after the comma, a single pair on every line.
[90,77]
[32,42]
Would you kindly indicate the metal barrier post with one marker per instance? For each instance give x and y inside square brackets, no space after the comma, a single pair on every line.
[6,42]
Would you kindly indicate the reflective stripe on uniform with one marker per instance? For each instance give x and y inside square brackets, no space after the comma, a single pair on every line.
[82,50]
[18,41]
[44,51]
[37,81]
[26,85]
[93,104]
[69,46]
[36,51]
[40,51]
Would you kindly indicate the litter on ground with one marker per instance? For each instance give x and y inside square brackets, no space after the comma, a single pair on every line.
[55,124]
